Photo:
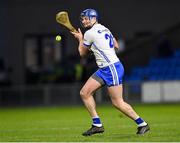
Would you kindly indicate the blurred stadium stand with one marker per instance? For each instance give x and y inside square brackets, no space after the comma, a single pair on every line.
[34,75]
[158,69]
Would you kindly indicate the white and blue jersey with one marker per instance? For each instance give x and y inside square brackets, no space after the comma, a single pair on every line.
[101,43]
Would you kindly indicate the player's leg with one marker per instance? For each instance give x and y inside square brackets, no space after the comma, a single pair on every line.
[86,94]
[117,100]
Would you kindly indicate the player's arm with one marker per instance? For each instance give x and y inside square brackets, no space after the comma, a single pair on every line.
[116,45]
[83,50]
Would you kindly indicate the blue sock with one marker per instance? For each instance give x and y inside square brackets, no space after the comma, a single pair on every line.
[97,122]
[140,122]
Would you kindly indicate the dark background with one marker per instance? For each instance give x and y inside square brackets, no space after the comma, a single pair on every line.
[21,17]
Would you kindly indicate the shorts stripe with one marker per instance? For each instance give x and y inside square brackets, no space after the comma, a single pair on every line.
[114,74]
[117,78]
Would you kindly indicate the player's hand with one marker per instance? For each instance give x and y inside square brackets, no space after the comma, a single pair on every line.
[78,35]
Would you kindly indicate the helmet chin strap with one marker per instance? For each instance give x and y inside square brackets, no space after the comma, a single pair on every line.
[93,23]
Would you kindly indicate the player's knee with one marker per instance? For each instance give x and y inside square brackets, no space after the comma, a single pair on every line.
[84,94]
[118,103]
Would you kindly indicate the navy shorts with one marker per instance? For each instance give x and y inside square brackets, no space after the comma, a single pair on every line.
[111,75]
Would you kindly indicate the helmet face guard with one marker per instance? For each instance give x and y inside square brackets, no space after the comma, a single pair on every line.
[90,13]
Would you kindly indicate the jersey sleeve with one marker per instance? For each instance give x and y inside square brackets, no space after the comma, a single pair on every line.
[87,39]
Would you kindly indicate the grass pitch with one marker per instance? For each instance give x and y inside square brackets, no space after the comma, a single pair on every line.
[66,124]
